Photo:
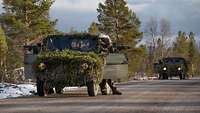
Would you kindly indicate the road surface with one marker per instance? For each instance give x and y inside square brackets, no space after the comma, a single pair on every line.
[168,96]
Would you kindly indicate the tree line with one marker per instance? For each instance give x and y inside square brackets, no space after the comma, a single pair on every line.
[23,22]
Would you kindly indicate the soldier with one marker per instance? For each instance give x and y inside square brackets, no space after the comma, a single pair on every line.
[107,47]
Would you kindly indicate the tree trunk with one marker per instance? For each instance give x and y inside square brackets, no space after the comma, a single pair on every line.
[162,47]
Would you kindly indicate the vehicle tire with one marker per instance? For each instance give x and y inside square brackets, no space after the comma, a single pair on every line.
[40,87]
[163,77]
[92,88]
[181,76]
[105,89]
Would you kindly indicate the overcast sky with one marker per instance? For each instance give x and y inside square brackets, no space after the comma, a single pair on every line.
[183,14]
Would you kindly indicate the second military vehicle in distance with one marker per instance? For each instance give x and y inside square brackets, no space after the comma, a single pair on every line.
[171,66]
[75,60]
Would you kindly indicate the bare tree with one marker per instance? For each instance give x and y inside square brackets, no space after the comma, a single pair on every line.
[157,45]
[152,29]
[165,32]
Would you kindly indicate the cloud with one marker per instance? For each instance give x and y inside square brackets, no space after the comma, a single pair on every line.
[1,10]
[91,5]
[79,13]
[80,21]
[141,1]
[183,14]
[76,5]
[138,7]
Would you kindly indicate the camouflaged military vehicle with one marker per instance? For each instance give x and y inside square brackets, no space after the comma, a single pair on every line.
[75,60]
[171,66]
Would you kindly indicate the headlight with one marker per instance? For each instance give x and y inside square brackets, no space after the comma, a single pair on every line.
[164,68]
[42,66]
[179,69]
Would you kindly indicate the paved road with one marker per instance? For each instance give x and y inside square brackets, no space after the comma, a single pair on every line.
[172,96]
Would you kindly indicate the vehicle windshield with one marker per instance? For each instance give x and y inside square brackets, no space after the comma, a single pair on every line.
[79,44]
[174,61]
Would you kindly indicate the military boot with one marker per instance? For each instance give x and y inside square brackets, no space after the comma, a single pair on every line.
[114,89]
[103,87]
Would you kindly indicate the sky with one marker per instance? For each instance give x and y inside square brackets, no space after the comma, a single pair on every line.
[183,14]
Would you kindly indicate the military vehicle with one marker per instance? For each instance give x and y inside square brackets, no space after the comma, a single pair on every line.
[171,66]
[75,60]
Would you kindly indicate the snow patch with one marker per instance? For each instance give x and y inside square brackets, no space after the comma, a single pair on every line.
[19,90]
[13,90]
[70,89]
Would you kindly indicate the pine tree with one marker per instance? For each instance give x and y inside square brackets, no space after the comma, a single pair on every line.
[186,47]
[180,47]
[3,53]
[93,29]
[138,62]
[23,21]
[27,19]
[192,52]
[14,58]
[117,21]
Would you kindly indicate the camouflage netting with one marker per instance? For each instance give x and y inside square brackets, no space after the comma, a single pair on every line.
[68,68]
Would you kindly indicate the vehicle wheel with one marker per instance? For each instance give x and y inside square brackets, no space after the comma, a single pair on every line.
[40,87]
[163,77]
[181,76]
[105,89]
[92,88]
